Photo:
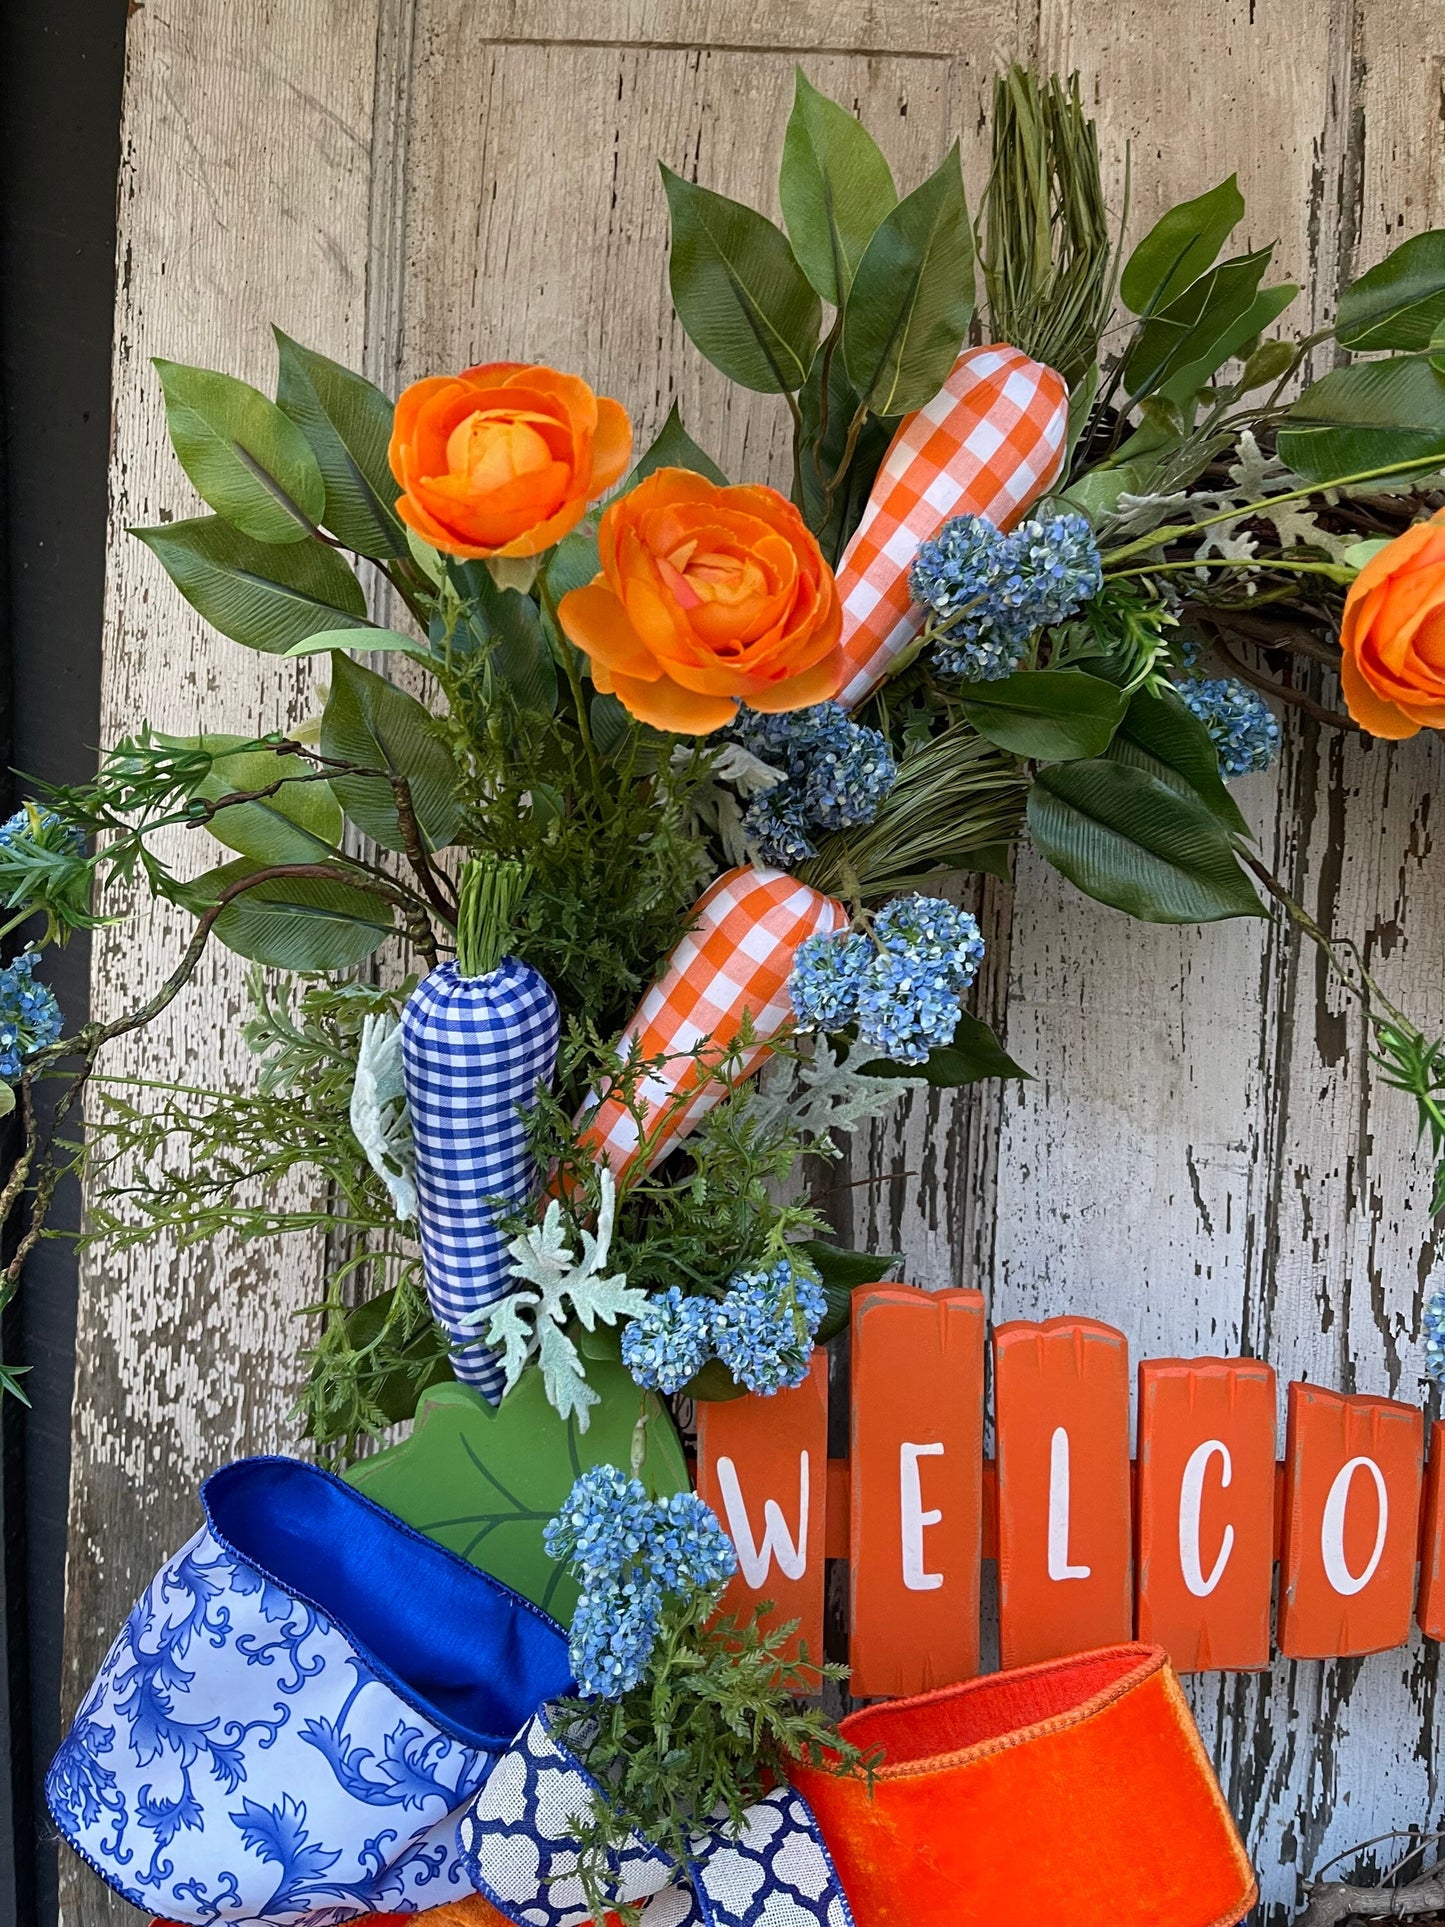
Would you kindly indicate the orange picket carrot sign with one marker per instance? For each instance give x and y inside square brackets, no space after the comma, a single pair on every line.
[1205,1528]
[734,961]
[1061,1401]
[1353,1471]
[917,1488]
[1430,1613]
[762,1465]
[989,443]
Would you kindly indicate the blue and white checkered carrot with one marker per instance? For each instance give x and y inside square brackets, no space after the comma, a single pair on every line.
[478,1037]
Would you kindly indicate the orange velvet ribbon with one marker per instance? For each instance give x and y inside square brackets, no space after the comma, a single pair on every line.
[1077,1789]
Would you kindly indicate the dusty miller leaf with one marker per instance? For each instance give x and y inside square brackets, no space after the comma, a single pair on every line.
[379,1117]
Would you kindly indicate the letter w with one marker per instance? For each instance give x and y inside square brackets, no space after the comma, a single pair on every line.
[791,1554]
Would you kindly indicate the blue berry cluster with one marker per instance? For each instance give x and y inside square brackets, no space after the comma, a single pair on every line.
[1241,724]
[762,1329]
[993,592]
[632,1554]
[1435,1336]
[836,775]
[902,988]
[29,1016]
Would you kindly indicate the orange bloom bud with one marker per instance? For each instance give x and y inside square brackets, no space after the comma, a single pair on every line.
[503,459]
[707,596]
[1393,635]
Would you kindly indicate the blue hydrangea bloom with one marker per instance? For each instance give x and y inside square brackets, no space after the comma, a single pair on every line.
[1435,1336]
[836,774]
[763,1330]
[36,825]
[1241,724]
[926,954]
[994,592]
[29,1016]
[823,983]
[613,1634]
[670,1342]
[690,1550]
[604,1525]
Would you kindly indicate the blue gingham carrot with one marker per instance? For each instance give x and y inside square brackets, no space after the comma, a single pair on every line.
[478,1037]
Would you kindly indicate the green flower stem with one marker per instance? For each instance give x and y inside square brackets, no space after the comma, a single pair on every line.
[574,680]
[1335,570]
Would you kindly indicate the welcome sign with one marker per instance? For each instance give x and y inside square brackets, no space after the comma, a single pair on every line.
[1177,1547]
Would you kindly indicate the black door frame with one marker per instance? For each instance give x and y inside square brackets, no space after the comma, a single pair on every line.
[59,157]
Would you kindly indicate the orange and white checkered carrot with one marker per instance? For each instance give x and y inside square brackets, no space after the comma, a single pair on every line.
[989,443]
[735,958]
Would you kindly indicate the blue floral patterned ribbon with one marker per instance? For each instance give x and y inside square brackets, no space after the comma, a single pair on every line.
[518,1840]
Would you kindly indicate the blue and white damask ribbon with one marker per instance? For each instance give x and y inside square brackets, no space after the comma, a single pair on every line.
[519,1844]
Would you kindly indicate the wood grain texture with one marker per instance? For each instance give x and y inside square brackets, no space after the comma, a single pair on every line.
[1204,1158]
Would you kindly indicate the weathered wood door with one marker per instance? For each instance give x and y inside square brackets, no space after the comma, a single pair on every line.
[1204,1157]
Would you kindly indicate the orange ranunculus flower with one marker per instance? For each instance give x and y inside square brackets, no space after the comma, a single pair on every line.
[707,596]
[1393,635]
[503,459]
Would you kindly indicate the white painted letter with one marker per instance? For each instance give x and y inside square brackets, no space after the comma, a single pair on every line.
[755,1559]
[910,1493]
[1059,1567]
[1191,1494]
[1332,1531]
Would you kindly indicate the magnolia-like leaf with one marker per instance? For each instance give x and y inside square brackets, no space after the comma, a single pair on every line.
[738,291]
[1179,247]
[1371,415]
[974,1054]
[301,823]
[1400,303]
[835,188]
[1229,339]
[347,423]
[1127,839]
[370,722]
[484,1482]
[268,596]
[294,923]
[1053,715]
[363,642]
[912,297]
[1182,335]
[380,1121]
[246,459]
[673,448]
[1162,736]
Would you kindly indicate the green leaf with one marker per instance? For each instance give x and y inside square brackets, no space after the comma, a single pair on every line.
[1163,737]
[1127,839]
[295,923]
[611,724]
[1184,333]
[738,291]
[247,460]
[573,564]
[823,449]
[301,823]
[673,448]
[1229,341]
[1179,247]
[369,721]
[1400,303]
[484,1481]
[519,654]
[974,1054]
[1052,715]
[363,642]
[835,188]
[841,1273]
[419,1365]
[1098,491]
[264,595]
[1367,416]
[348,425]
[912,297]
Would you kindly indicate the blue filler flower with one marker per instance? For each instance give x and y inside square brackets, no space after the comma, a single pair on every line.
[670,1342]
[836,774]
[993,592]
[690,1550]
[764,1328]
[614,1631]
[824,980]
[29,1016]
[1241,724]
[604,1525]
[902,987]
[1435,1336]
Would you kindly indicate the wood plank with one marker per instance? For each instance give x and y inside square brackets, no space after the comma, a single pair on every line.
[887,27]
[243,199]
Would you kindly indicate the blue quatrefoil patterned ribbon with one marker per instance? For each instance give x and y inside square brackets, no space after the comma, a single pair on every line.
[314,1713]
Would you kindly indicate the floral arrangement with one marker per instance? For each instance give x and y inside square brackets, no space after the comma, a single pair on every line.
[628,778]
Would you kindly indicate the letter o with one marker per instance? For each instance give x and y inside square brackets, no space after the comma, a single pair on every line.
[1332,1528]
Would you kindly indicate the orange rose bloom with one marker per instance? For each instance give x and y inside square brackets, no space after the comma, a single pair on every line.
[1393,635]
[503,459]
[707,596]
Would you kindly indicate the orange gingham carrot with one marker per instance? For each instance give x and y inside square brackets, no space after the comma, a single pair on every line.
[989,443]
[736,957]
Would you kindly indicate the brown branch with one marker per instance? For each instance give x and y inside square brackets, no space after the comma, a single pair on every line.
[1294,698]
[414,847]
[1332,1901]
